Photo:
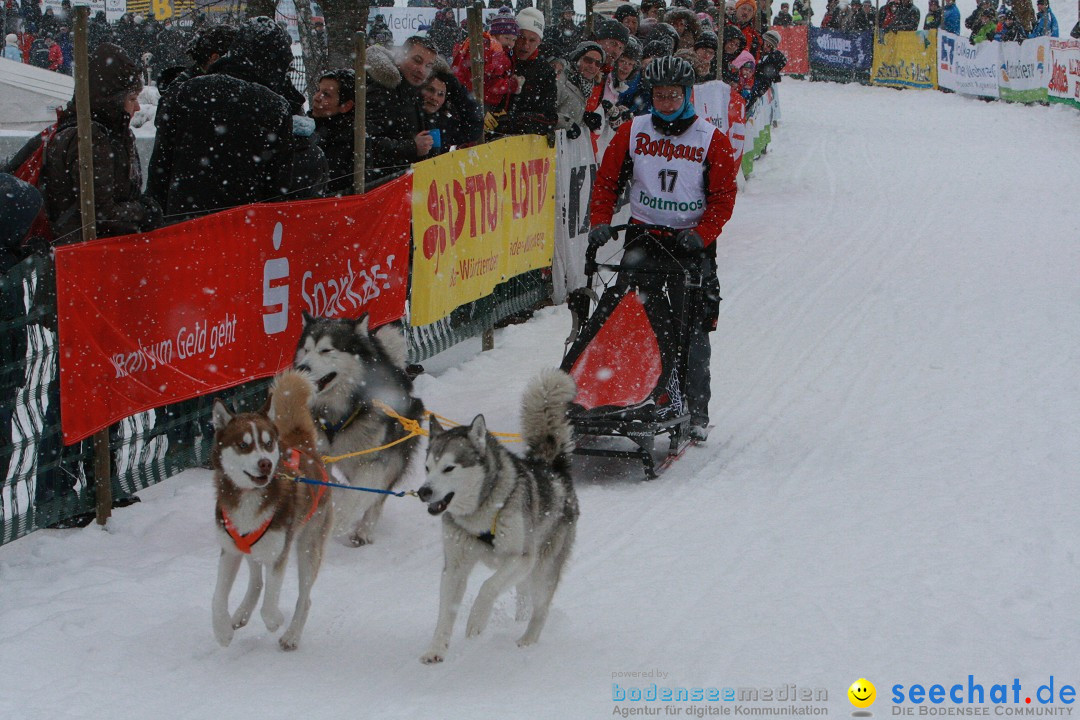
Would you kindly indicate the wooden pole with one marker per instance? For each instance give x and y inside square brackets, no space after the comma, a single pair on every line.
[102,469]
[589,18]
[360,114]
[476,50]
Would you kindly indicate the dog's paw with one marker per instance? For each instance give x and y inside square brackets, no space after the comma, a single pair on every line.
[240,619]
[223,632]
[289,642]
[475,626]
[431,658]
[273,618]
[526,640]
[357,540]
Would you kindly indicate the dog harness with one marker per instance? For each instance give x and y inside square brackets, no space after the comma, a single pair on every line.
[244,543]
[332,429]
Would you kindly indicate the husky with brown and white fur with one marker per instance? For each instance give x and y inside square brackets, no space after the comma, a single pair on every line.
[517,515]
[261,513]
[357,370]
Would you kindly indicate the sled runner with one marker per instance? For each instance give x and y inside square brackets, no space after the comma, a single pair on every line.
[627,352]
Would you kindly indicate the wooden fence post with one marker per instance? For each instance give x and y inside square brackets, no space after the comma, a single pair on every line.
[360,113]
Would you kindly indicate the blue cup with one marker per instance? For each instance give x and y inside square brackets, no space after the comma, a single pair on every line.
[436,136]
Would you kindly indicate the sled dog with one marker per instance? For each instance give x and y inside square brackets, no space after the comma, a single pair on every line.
[355,371]
[261,513]
[517,515]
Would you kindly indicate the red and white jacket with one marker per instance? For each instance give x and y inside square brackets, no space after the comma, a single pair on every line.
[682,182]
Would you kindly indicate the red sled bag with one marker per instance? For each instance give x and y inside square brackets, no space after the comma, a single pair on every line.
[27,165]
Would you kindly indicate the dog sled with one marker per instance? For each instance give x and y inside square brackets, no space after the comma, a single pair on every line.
[628,353]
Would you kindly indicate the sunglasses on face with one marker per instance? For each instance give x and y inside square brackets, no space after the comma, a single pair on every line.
[668,96]
[590,60]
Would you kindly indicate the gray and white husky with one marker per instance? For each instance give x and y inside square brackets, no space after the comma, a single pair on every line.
[354,369]
[517,515]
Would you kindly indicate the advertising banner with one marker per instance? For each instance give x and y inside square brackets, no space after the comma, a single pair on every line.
[841,50]
[148,320]
[966,68]
[575,166]
[480,216]
[906,59]
[1064,84]
[1025,73]
[793,43]
[406,21]
[719,104]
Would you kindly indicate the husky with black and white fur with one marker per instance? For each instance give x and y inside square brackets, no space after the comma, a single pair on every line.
[518,515]
[358,372]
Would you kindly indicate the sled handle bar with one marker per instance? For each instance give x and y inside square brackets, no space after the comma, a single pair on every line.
[591,266]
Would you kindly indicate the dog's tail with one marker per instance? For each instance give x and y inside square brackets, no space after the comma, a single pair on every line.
[291,397]
[544,425]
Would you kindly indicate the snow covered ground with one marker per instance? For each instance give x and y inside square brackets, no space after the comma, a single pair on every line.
[890,491]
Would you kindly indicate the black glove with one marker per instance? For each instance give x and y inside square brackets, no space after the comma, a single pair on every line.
[592,120]
[599,235]
[573,132]
[689,242]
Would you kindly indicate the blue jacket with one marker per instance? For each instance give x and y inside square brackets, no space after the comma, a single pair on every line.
[951,19]
[1046,25]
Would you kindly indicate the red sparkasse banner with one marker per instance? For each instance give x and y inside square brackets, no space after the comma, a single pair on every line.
[147,320]
[794,43]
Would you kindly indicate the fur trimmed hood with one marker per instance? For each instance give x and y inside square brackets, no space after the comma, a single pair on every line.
[382,66]
[693,25]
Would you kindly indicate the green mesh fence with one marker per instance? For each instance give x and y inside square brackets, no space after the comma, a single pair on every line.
[45,482]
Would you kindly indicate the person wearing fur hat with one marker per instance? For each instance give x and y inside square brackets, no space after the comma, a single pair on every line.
[681,175]
[531,109]
[686,25]
[234,121]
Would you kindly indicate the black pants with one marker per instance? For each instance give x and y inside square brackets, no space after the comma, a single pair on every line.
[693,309]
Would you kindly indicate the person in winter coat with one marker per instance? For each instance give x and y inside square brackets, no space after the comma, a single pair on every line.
[56,55]
[772,64]
[445,32]
[396,137]
[802,12]
[1046,24]
[987,28]
[630,16]
[634,98]
[451,110]
[744,16]
[499,80]
[613,38]
[705,50]
[231,123]
[907,16]
[561,39]
[734,43]
[11,48]
[333,108]
[950,17]
[744,64]
[681,175]
[973,21]
[933,16]
[784,18]
[532,108]
[1010,30]
[580,90]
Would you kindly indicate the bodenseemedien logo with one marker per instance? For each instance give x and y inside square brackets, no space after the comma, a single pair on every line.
[862,694]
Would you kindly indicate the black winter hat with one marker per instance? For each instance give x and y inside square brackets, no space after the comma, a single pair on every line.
[209,40]
[733,33]
[263,43]
[611,30]
[707,39]
[112,74]
[656,48]
[625,11]
[584,47]
[632,51]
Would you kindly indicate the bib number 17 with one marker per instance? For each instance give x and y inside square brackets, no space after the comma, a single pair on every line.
[667,180]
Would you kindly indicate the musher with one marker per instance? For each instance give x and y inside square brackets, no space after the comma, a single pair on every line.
[681,171]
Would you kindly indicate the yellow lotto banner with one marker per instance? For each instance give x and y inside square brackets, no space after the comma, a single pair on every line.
[480,216]
[906,59]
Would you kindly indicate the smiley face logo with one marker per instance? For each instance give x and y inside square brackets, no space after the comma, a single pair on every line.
[862,693]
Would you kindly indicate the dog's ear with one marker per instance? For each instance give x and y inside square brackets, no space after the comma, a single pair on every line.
[434,428]
[362,325]
[392,339]
[308,317]
[221,415]
[478,432]
[268,407]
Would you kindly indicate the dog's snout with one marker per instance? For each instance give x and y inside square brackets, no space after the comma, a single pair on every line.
[265,466]
[424,493]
